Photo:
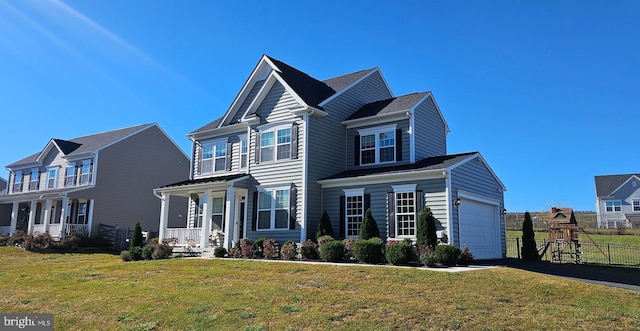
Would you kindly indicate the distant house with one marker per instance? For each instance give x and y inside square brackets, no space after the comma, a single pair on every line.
[291,147]
[618,200]
[73,185]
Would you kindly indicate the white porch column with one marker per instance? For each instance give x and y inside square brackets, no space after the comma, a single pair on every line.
[63,216]
[164,216]
[206,219]
[229,217]
[90,217]
[47,215]
[32,216]
[14,217]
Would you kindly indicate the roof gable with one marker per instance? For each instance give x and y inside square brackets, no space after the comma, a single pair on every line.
[607,185]
[311,90]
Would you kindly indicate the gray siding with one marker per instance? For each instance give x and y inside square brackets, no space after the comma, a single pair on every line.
[474,177]
[406,148]
[245,104]
[126,174]
[626,194]
[327,151]
[431,137]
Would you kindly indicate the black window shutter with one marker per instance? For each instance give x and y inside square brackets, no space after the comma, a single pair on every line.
[228,157]
[294,141]
[419,202]
[257,147]
[391,214]
[356,150]
[292,208]
[254,222]
[343,221]
[367,202]
[399,145]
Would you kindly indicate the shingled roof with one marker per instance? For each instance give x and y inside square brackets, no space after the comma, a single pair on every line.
[311,90]
[85,144]
[607,183]
[340,82]
[387,106]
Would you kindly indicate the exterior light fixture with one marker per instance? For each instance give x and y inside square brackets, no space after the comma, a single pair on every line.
[457,202]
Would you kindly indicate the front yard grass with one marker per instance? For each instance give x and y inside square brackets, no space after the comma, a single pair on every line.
[100,292]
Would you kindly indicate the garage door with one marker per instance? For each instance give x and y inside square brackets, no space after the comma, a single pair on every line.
[479,229]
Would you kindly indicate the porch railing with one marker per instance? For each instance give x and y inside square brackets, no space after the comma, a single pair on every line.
[38,228]
[80,229]
[183,235]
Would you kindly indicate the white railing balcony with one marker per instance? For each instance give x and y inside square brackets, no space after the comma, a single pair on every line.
[184,235]
[80,229]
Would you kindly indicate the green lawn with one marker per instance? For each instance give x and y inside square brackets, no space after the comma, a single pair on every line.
[100,292]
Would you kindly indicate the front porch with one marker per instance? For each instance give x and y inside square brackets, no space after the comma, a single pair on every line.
[192,237]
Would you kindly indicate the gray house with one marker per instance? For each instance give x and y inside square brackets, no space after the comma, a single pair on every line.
[618,200]
[291,147]
[74,185]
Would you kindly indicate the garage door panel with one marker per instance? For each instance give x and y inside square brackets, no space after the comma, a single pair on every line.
[479,230]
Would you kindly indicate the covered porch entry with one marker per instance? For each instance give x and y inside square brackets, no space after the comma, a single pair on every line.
[216,215]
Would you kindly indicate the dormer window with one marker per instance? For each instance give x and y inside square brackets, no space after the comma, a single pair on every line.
[17,181]
[214,157]
[378,145]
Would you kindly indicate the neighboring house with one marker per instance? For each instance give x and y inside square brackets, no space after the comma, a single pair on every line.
[618,200]
[5,209]
[74,185]
[291,147]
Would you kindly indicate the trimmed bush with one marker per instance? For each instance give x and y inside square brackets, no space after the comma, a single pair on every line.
[399,253]
[324,239]
[136,240]
[162,252]
[426,229]
[466,257]
[332,251]
[125,255]
[529,249]
[219,252]
[348,248]
[288,250]
[147,252]
[368,227]
[324,226]
[309,250]
[270,249]
[257,248]
[246,248]
[447,254]
[368,251]
[428,258]
[136,253]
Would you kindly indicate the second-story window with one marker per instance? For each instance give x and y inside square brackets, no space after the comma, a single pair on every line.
[70,177]
[214,157]
[378,145]
[52,178]
[85,174]
[278,143]
[243,152]
[17,181]
[34,180]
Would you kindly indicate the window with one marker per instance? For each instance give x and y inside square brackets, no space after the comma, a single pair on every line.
[85,174]
[200,203]
[243,152]
[354,213]
[377,145]
[217,214]
[67,213]
[214,157]
[17,181]
[273,209]
[613,205]
[278,144]
[636,205]
[70,178]
[35,176]
[405,214]
[82,213]
[52,178]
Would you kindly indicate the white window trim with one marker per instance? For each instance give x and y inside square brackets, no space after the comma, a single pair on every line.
[348,193]
[82,173]
[21,182]
[613,206]
[376,131]
[633,206]
[242,138]
[404,188]
[274,146]
[55,177]
[72,182]
[213,158]
[272,211]
[407,188]
[32,179]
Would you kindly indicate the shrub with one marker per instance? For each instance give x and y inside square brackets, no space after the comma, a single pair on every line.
[324,239]
[368,227]
[154,241]
[219,251]
[428,257]
[17,238]
[257,247]
[309,250]
[4,240]
[170,241]
[270,249]
[235,252]
[529,249]
[426,229]
[246,248]
[125,255]
[368,251]
[136,253]
[37,243]
[324,226]
[447,254]
[147,252]
[332,251]
[466,257]
[288,250]
[162,252]
[348,248]
[136,240]
[70,242]
[399,253]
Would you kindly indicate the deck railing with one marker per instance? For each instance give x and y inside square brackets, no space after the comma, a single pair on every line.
[80,229]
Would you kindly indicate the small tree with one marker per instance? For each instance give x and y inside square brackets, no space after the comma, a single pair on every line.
[426,229]
[529,249]
[324,227]
[368,227]
[136,241]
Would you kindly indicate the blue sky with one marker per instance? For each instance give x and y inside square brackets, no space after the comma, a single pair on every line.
[547,91]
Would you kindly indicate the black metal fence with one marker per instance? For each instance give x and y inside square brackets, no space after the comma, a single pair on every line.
[601,254]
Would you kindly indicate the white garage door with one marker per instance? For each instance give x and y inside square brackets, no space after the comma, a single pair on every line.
[479,229]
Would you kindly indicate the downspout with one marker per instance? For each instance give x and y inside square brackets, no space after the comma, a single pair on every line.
[305,181]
